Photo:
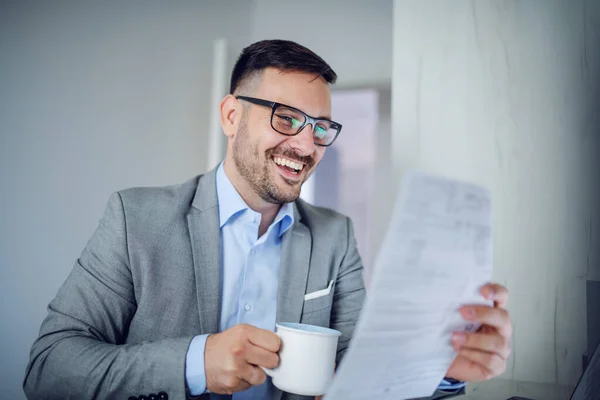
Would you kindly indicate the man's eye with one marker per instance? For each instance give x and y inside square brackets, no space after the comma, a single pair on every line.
[320,132]
[290,120]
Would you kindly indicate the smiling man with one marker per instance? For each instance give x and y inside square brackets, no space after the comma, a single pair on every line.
[178,291]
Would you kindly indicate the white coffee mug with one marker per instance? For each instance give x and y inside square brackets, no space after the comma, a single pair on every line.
[306,358]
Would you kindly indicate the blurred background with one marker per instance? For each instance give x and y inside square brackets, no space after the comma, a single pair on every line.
[100,96]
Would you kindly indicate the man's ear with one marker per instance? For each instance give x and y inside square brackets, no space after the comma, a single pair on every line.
[231,112]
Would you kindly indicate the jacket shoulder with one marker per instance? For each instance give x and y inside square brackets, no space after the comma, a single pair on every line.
[148,201]
[321,218]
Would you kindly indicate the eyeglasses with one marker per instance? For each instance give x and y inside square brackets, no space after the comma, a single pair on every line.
[290,121]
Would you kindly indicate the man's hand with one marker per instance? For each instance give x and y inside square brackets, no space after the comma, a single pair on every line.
[232,358]
[482,355]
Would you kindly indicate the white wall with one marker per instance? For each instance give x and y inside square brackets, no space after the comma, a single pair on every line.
[507,94]
[353,36]
[94,97]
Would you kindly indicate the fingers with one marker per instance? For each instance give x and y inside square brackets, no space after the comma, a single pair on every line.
[231,358]
[483,342]
[244,350]
[497,318]
[261,357]
[263,338]
[497,293]
[252,375]
[231,384]
[490,364]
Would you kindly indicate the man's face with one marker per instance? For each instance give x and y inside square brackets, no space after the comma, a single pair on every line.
[260,153]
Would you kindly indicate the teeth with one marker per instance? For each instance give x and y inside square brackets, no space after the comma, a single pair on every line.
[288,163]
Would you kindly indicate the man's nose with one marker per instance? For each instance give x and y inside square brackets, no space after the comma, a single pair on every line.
[304,141]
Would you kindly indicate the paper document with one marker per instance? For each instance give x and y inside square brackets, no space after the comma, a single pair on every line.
[435,257]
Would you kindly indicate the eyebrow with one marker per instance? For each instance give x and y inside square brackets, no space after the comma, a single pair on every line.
[299,109]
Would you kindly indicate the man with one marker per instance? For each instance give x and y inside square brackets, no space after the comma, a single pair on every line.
[177,293]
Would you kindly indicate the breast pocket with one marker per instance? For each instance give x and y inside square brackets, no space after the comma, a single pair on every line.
[318,304]
[317,307]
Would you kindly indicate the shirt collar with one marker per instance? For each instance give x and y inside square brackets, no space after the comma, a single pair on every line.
[231,204]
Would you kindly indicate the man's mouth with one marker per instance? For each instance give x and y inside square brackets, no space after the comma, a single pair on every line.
[288,166]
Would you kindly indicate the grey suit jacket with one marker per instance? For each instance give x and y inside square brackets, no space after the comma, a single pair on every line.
[148,281]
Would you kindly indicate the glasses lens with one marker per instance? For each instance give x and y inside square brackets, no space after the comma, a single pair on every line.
[325,132]
[287,121]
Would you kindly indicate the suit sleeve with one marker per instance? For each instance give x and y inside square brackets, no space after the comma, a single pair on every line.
[80,352]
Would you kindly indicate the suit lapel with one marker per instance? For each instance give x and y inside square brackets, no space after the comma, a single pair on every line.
[203,225]
[293,271]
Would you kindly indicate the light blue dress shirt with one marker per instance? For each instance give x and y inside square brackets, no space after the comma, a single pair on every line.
[249,278]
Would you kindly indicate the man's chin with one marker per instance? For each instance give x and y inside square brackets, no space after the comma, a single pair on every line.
[287,197]
[292,184]
[287,189]
[285,194]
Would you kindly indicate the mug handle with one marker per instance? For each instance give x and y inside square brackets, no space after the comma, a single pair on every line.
[272,372]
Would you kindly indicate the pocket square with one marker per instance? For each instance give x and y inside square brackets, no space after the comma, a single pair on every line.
[319,293]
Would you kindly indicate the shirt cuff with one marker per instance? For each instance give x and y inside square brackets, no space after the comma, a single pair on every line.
[195,376]
[451,385]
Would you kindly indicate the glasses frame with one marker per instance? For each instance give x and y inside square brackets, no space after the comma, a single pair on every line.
[308,120]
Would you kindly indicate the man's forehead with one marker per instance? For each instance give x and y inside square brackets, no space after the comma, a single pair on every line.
[307,92]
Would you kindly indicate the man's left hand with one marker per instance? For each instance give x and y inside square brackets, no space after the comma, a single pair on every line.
[482,355]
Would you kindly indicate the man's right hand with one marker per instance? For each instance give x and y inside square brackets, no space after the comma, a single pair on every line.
[232,358]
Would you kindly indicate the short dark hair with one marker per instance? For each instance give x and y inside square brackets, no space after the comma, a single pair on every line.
[284,55]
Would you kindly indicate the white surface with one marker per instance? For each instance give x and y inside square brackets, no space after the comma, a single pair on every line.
[506,94]
[306,361]
[434,259]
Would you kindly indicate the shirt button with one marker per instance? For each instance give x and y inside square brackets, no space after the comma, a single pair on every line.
[247,307]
